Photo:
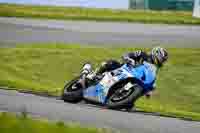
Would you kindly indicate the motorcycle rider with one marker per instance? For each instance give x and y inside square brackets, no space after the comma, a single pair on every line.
[157,56]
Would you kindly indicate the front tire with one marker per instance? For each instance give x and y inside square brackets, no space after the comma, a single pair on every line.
[73,91]
[127,102]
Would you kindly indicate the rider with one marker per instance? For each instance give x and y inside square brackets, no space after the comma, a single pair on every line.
[157,57]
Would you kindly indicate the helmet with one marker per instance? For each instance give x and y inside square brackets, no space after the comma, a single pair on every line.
[159,55]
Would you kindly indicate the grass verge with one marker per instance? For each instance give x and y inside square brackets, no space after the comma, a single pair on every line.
[46,68]
[11,123]
[75,13]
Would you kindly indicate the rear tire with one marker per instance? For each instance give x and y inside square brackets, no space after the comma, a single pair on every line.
[127,102]
[72,95]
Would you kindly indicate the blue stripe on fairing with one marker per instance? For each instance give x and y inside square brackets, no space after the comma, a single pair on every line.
[139,72]
[95,92]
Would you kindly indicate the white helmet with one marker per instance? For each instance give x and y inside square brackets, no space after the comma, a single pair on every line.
[159,55]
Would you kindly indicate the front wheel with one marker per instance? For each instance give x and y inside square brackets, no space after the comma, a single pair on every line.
[122,98]
[73,91]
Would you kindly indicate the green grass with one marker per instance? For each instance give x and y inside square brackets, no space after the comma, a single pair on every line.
[11,123]
[46,68]
[72,13]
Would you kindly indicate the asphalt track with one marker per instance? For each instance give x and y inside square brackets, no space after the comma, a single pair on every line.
[93,116]
[16,30]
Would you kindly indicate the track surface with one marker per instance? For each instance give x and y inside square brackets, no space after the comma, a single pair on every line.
[91,116]
[16,30]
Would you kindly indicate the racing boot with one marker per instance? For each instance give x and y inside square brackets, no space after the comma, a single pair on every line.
[97,73]
[88,72]
[87,68]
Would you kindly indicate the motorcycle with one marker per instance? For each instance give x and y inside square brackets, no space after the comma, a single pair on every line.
[116,89]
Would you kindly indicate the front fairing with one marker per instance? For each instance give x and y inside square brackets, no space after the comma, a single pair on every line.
[146,73]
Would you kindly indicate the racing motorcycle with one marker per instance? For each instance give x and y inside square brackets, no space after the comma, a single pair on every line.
[117,89]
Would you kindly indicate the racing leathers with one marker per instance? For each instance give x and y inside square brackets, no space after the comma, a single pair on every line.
[134,58]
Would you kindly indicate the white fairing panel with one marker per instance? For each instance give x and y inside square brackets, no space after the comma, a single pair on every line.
[108,81]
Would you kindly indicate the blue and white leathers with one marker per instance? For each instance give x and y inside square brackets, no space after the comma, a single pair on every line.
[146,73]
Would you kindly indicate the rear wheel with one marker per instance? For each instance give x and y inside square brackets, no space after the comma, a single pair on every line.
[73,91]
[124,99]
